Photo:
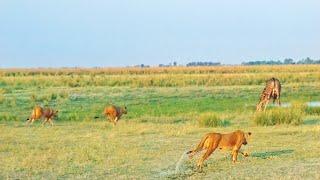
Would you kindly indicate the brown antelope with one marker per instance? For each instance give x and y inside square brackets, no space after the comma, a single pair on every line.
[39,112]
[114,113]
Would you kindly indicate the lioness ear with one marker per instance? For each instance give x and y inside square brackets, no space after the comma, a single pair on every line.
[249,133]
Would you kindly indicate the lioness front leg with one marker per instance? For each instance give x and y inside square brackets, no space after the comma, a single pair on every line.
[235,155]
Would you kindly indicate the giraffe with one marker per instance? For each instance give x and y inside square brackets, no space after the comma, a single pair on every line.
[271,90]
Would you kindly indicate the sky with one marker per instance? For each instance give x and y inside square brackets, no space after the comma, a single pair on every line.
[110,33]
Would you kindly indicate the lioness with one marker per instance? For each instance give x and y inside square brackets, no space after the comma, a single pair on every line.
[114,113]
[232,141]
[39,112]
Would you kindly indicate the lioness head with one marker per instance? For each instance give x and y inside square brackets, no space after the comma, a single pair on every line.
[244,140]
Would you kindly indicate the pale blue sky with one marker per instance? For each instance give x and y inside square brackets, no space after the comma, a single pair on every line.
[56,33]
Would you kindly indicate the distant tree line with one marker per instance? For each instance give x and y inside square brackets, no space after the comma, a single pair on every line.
[285,61]
[203,64]
[199,63]
[266,62]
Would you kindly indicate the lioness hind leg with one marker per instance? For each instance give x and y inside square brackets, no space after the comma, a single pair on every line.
[209,151]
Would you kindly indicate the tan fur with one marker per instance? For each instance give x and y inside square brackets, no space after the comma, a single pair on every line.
[271,90]
[39,112]
[114,113]
[232,141]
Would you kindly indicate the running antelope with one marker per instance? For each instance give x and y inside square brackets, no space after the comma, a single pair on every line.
[39,112]
[114,113]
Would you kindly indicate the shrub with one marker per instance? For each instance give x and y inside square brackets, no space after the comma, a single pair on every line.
[211,120]
[293,115]
[53,96]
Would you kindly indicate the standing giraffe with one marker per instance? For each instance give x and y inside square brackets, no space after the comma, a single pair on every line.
[271,90]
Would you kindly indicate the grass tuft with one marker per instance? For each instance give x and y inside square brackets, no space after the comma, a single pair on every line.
[293,116]
[210,119]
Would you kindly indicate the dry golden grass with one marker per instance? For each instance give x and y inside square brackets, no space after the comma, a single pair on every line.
[160,77]
[150,151]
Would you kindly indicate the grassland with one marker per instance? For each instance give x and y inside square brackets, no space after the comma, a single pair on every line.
[164,105]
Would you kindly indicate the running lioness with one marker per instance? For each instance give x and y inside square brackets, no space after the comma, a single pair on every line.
[232,141]
[114,113]
[39,112]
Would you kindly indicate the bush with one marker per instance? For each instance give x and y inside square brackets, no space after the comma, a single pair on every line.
[211,120]
[293,115]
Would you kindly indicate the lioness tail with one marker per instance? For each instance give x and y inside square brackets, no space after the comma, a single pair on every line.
[200,145]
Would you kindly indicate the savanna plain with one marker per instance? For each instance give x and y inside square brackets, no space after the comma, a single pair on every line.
[169,111]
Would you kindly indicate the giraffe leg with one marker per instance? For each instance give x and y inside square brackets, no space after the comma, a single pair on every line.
[265,105]
[278,100]
[262,104]
[259,106]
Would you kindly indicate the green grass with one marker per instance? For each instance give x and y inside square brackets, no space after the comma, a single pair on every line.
[145,102]
[161,124]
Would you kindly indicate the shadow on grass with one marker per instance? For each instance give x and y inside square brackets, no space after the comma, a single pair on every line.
[265,155]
